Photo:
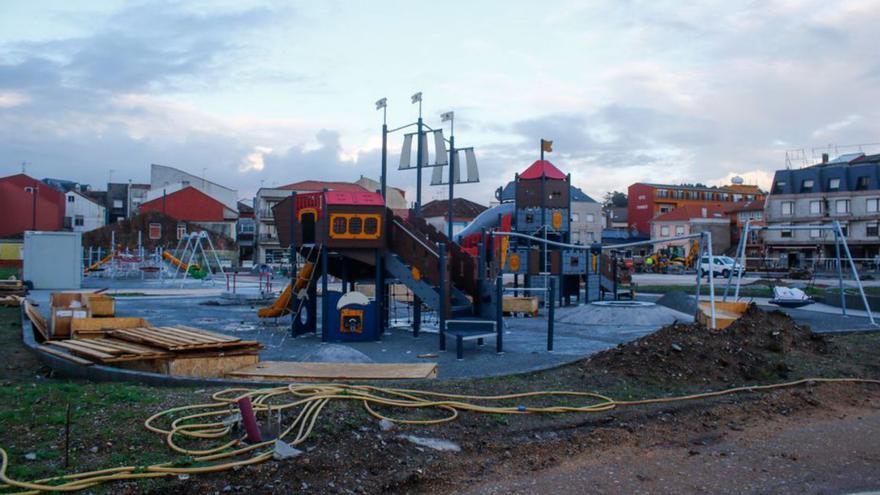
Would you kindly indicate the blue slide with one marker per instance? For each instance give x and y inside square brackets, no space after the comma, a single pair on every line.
[488,219]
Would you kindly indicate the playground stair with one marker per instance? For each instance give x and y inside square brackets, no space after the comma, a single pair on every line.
[413,259]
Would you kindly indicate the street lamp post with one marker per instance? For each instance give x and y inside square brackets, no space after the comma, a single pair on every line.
[417,98]
[383,105]
[450,116]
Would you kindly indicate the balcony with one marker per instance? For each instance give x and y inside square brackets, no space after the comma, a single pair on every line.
[268,238]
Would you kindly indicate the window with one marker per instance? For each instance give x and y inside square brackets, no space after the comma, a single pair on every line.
[778,187]
[788,207]
[575,217]
[575,237]
[371,226]
[845,230]
[872,229]
[679,230]
[665,208]
[71,198]
[181,230]
[78,221]
[355,225]
[785,234]
[872,205]
[117,203]
[807,185]
[664,231]
[862,183]
[815,233]
[841,206]
[590,218]
[67,222]
[662,193]
[155,231]
[815,207]
[833,184]
[339,224]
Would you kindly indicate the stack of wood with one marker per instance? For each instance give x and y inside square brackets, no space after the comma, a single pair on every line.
[11,301]
[12,288]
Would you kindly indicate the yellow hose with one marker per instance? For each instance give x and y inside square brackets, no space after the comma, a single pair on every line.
[311,399]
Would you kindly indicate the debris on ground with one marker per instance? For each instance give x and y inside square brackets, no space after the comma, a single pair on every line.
[432,443]
[752,348]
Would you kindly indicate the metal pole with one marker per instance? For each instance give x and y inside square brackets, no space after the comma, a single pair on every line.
[711,279]
[325,308]
[419,152]
[550,315]
[700,247]
[442,292]
[384,178]
[34,207]
[855,275]
[451,180]
[499,314]
[837,233]
[379,296]
[739,274]
[738,248]
[293,275]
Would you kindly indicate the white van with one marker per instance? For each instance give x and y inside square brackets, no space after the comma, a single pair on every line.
[721,265]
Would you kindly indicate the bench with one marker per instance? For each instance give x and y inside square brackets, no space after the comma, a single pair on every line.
[471,329]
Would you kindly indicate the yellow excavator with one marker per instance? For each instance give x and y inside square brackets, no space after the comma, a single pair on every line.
[281,305]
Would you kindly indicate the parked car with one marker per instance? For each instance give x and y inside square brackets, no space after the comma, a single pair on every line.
[721,265]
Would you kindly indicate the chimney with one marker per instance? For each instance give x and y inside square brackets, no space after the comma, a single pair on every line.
[824,157]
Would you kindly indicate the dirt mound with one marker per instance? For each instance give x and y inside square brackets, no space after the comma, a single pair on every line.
[752,348]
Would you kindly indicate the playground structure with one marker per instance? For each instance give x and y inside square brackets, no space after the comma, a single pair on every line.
[193,257]
[366,247]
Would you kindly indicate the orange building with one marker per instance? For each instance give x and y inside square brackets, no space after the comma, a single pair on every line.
[646,201]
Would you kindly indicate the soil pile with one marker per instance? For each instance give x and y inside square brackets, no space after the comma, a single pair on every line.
[752,348]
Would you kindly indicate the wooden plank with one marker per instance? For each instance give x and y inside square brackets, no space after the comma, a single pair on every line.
[64,355]
[100,324]
[144,336]
[220,336]
[209,366]
[37,320]
[83,351]
[290,370]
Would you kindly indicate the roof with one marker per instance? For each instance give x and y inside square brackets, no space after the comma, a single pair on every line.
[733,188]
[318,185]
[617,213]
[85,197]
[542,168]
[244,207]
[461,208]
[687,212]
[575,193]
[361,197]
[753,205]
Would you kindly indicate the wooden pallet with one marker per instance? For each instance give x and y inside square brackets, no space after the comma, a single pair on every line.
[105,350]
[181,338]
[300,371]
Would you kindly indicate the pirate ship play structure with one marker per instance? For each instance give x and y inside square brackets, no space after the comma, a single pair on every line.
[356,239]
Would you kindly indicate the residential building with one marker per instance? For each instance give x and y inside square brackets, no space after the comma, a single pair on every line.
[268,249]
[616,217]
[740,213]
[247,227]
[692,219]
[193,206]
[82,213]
[29,204]
[166,180]
[65,185]
[395,197]
[436,213]
[586,213]
[647,200]
[123,199]
[846,189]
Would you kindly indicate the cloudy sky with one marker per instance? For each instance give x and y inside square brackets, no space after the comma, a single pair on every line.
[254,93]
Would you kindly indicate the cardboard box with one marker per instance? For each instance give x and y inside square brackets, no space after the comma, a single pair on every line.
[63,308]
[100,304]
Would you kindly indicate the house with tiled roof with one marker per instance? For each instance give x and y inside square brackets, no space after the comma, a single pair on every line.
[691,219]
[436,213]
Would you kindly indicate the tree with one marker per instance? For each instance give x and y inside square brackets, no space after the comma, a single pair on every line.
[614,198]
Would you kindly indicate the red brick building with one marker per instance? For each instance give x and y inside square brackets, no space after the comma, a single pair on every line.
[191,205]
[646,201]
[19,210]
